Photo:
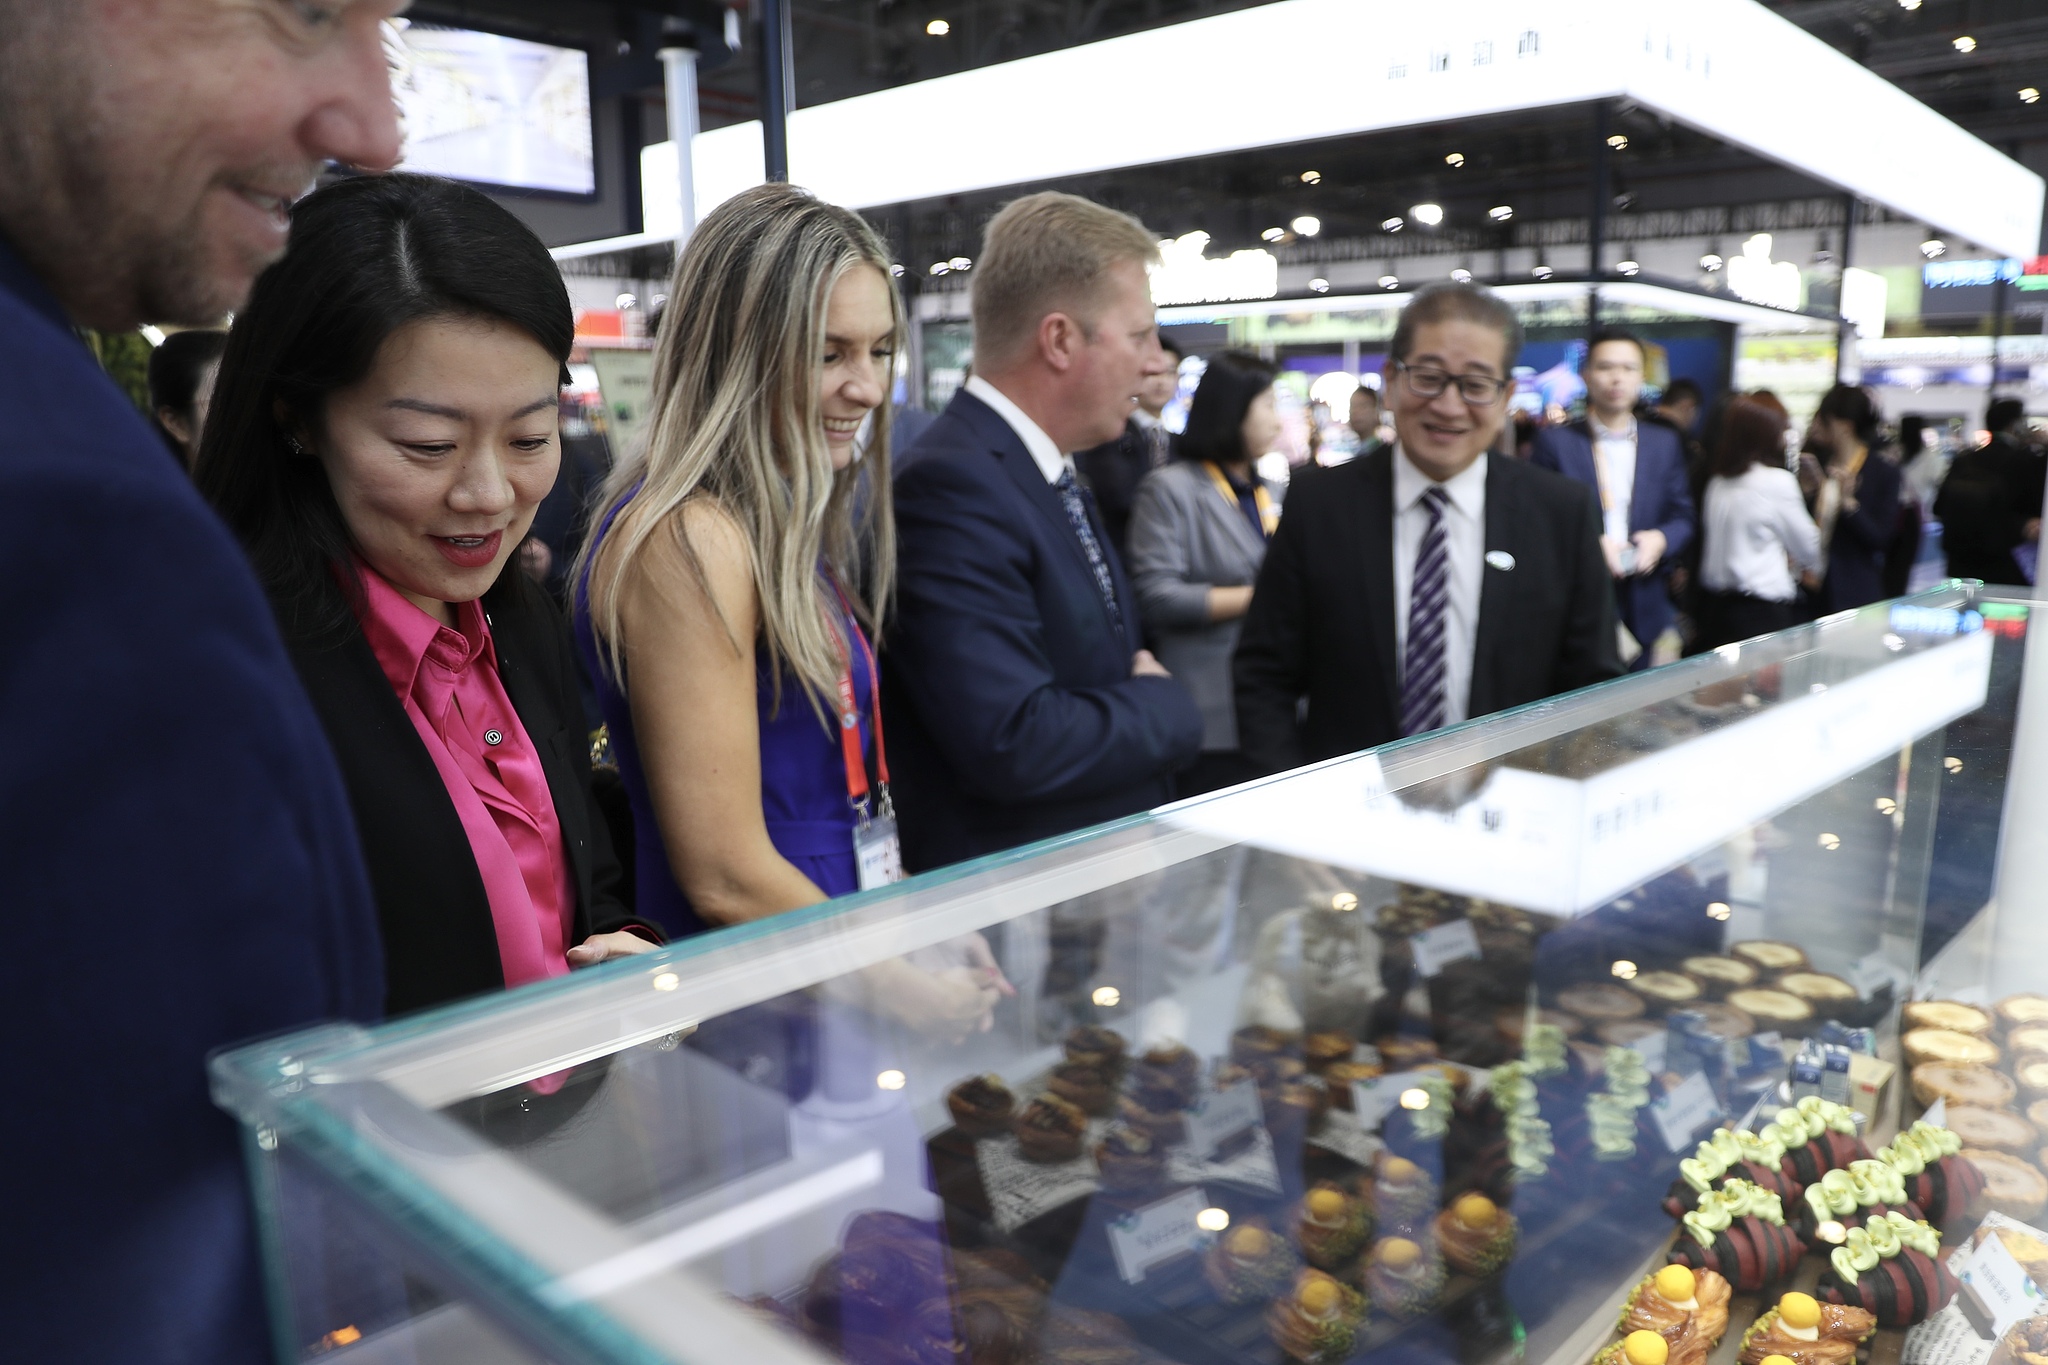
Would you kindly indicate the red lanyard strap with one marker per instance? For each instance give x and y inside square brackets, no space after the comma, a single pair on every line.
[849,717]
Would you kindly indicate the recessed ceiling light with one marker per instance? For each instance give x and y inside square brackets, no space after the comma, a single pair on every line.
[940,268]
[961,263]
[1319,286]
[1542,272]
[1933,247]
[1909,4]
[1311,177]
[1711,262]
[1390,281]
[938,28]
[1461,276]
[1272,234]
[1500,213]
[1619,142]
[1628,267]
[1966,44]
[1394,224]
[2030,96]
[1429,215]
[1308,225]
[1455,159]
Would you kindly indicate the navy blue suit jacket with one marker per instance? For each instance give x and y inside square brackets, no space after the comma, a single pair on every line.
[1662,501]
[1856,553]
[1010,708]
[178,864]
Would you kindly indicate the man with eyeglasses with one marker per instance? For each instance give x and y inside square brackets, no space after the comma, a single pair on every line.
[1426,584]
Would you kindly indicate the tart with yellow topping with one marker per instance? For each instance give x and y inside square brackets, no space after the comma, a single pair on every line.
[2011,1186]
[1962,1085]
[1720,975]
[1665,991]
[1998,1130]
[2037,1114]
[1654,1348]
[2018,1011]
[1769,955]
[2032,1074]
[1779,1009]
[1823,991]
[1476,1235]
[1952,1015]
[1401,1191]
[1331,1226]
[1676,1296]
[1600,1002]
[1923,1045]
[1249,1263]
[1805,1331]
[1402,1278]
[1316,1321]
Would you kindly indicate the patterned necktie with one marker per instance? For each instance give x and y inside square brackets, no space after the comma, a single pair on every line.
[1075,501]
[1422,678]
[1155,446]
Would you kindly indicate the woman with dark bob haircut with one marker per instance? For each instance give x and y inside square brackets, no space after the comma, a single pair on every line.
[1856,499]
[1198,534]
[383,428]
[1755,535]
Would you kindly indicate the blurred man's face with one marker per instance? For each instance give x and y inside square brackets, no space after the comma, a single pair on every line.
[1614,376]
[150,149]
[1441,429]
[1158,389]
[1684,412]
[1365,412]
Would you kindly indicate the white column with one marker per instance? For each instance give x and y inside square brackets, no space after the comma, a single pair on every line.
[679,71]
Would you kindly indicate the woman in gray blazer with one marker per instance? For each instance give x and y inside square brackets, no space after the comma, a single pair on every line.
[1197,535]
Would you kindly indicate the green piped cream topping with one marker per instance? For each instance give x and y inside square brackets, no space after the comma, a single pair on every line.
[1882,1237]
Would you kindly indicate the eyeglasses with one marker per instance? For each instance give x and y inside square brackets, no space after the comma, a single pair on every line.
[1479,390]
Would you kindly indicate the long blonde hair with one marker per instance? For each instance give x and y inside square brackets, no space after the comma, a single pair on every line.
[736,421]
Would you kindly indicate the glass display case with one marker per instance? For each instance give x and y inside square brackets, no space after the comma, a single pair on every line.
[1436,1052]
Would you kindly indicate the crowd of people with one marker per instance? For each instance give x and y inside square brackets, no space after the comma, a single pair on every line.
[291,721]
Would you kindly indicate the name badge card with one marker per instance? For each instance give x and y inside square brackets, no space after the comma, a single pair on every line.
[1221,1115]
[877,853]
[1682,1113]
[1438,948]
[1157,1233]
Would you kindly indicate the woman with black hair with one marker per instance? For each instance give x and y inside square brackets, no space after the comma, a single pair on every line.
[384,425]
[1198,534]
[1754,531]
[1856,502]
[181,378]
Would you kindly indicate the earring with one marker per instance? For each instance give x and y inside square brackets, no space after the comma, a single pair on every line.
[296,448]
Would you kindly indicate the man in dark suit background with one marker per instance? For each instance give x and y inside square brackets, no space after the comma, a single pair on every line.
[176,849]
[1428,583]
[1990,500]
[1637,469]
[1018,702]
[1113,470]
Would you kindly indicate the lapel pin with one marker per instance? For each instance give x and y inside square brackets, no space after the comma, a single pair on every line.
[1500,559]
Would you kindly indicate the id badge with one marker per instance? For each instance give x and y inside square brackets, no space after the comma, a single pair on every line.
[877,853]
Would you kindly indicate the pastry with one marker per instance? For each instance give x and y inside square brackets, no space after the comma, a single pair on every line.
[2018,1011]
[1676,1296]
[1084,1086]
[1890,1266]
[1720,975]
[1050,1129]
[1829,1142]
[1258,1043]
[888,1265]
[1331,1227]
[2025,1342]
[1476,1235]
[1730,1155]
[1851,1197]
[1401,1191]
[1402,1278]
[1654,1348]
[1296,1110]
[1101,1048]
[981,1106]
[1805,1331]
[1628,1032]
[1819,989]
[1938,1181]
[1772,1008]
[1511,1021]
[1248,1264]
[1769,955]
[2037,1114]
[1338,1079]
[2011,1186]
[1321,1050]
[1717,1019]
[1998,1130]
[1978,1085]
[1170,1067]
[1316,1321]
[1739,1232]
[1129,1161]
[1663,991]
[2032,1074]
[2029,1038]
[1599,1002]
[1166,1126]
[1952,1015]
[1923,1045]
[1405,1054]
[997,1326]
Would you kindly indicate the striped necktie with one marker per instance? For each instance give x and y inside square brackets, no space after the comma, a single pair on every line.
[1422,676]
[1075,500]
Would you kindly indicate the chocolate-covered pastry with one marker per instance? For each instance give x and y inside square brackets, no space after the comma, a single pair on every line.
[1249,1263]
[1720,975]
[2012,1186]
[1331,1226]
[1829,1140]
[1476,1235]
[887,1266]
[1773,1008]
[1316,1321]
[1166,1124]
[1769,955]
[1170,1068]
[1807,1332]
[1923,1045]
[1084,1086]
[1512,1021]
[1258,1043]
[1339,1078]
[1851,1197]
[1997,1130]
[1953,1015]
[1891,1266]
[1962,1085]
[1677,1297]
[1598,1002]
[1663,991]
[1730,1155]
[1938,1181]
[1129,1161]
[1401,1192]
[1050,1129]
[981,1106]
[1402,1278]
[1739,1232]
[1101,1048]
[1322,1050]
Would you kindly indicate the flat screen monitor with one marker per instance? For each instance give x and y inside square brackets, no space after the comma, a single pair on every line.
[494,110]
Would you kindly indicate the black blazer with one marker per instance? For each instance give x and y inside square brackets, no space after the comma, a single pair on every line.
[1321,625]
[1856,553]
[1662,502]
[1010,708]
[439,940]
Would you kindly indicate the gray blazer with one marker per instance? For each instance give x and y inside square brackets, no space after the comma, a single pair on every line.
[1184,540]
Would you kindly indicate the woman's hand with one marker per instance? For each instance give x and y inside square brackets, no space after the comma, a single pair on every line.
[605,947]
[1227,604]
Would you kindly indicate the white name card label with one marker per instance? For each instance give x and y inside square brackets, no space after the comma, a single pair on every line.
[1157,1233]
[1438,948]
[1683,1112]
[1221,1115]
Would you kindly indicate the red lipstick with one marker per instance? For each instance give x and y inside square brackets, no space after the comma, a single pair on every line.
[469,552]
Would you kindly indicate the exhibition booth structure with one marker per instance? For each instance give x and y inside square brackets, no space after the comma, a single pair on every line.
[1693,1016]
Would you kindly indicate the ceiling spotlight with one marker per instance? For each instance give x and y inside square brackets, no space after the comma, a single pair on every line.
[1429,215]
[2030,96]
[1966,44]
[938,28]
[1273,234]
[1461,276]
[940,268]
[1628,267]
[1500,213]
[1394,224]
[896,271]
[1933,247]
[1390,281]
[1909,4]
[1542,272]
[1455,159]
[1711,262]
[626,303]
[1319,285]
[961,263]
[1624,969]
[1311,177]
[1619,142]
[1308,225]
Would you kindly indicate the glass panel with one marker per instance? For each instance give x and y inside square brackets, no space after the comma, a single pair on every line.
[1532,958]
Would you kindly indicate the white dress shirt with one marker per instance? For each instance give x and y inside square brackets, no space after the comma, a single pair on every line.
[1753,523]
[1050,459]
[1465,544]
[1614,465]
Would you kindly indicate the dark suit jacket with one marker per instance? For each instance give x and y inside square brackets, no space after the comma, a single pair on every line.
[178,859]
[1983,506]
[1662,501]
[1321,625]
[1009,704]
[439,940]
[1856,553]
[1113,472]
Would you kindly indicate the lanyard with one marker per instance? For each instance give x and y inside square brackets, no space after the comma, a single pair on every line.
[1269,515]
[849,720]
[1595,430]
